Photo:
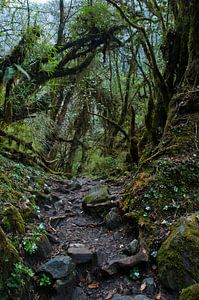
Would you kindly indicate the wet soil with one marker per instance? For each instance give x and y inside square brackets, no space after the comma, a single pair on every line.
[68,223]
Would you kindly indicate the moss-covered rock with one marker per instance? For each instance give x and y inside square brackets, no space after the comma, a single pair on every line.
[13,220]
[190,293]
[8,257]
[96,194]
[178,257]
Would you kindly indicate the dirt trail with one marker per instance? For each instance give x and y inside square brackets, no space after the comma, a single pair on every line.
[69,224]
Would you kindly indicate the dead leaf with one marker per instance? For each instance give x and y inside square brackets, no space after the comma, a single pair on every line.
[158,296]
[82,279]
[93,285]
[143,287]
[110,294]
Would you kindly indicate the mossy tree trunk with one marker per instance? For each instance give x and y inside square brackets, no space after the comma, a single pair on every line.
[173,164]
[192,70]
[81,126]
[181,54]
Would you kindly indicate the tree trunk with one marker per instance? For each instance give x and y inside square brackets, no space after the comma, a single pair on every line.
[8,111]
[80,127]
[133,140]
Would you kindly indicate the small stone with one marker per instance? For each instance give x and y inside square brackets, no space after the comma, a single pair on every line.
[113,219]
[75,185]
[150,289]
[142,297]
[134,290]
[59,205]
[133,246]
[78,294]
[100,258]
[63,288]
[80,223]
[117,235]
[121,297]
[58,267]
[80,253]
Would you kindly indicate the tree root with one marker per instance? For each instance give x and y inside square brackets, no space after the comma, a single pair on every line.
[141,257]
[110,203]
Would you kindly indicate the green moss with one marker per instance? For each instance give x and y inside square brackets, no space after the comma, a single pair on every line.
[8,256]
[168,188]
[40,181]
[4,179]
[27,213]
[13,220]
[96,195]
[190,293]
[178,257]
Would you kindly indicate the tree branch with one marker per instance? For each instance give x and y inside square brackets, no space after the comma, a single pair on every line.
[112,123]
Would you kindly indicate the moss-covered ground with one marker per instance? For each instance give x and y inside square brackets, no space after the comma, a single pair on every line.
[19,228]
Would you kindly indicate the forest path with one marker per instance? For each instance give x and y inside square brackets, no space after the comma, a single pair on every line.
[69,225]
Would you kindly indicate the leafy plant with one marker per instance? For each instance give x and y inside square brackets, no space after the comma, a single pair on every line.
[134,274]
[29,245]
[10,72]
[20,277]
[96,17]
[44,280]
[30,241]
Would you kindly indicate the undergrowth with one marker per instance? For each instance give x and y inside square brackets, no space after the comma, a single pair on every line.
[20,229]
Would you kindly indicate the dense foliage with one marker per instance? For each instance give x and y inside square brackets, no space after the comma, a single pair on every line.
[96,87]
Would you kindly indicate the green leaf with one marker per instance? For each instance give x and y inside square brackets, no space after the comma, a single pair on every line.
[134,273]
[19,68]
[9,73]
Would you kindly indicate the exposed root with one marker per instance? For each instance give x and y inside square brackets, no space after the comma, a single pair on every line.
[110,203]
[140,257]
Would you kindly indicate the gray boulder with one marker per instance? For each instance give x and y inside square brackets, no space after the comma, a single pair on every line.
[59,267]
[62,270]
[95,195]
[80,253]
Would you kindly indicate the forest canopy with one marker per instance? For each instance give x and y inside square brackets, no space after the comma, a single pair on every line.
[82,80]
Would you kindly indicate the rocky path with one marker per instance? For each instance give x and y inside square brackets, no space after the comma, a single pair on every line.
[92,240]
